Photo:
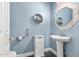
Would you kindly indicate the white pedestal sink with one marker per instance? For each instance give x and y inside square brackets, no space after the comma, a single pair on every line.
[59,42]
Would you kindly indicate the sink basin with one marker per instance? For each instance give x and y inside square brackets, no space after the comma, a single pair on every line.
[59,42]
[60,38]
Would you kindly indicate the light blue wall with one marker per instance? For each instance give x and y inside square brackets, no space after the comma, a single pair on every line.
[71,48]
[52,29]
[21,18]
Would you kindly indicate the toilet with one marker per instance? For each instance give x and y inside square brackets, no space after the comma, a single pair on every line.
[39,45]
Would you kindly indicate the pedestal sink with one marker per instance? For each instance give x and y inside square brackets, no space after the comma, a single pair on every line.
[59,42]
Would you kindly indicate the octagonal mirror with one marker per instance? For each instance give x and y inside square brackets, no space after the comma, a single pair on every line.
[66,17]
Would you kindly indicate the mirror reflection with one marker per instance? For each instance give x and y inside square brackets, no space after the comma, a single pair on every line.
[63,17]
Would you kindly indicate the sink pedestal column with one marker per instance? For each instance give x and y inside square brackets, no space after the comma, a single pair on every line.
[59,48]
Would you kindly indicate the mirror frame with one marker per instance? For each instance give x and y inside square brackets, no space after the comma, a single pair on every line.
[72,22]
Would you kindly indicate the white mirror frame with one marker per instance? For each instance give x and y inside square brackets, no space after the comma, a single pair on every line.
[73,21]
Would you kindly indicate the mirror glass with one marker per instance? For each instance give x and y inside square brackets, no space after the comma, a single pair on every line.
[64,16]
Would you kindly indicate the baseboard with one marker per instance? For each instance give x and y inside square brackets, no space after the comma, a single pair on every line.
[47,49]
[53,51]
[26,54]
[32,52]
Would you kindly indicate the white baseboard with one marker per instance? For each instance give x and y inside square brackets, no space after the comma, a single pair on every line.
[53,51]
[32,52]
[47,49]
[26,54]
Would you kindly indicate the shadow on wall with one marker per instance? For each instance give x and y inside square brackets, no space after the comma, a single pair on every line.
[31,42]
